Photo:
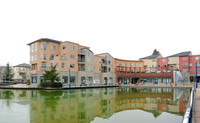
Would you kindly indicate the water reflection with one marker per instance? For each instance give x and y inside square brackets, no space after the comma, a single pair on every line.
[82,106]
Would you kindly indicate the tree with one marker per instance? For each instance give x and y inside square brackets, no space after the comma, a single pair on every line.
[7,73]
[51,75]
[155,52]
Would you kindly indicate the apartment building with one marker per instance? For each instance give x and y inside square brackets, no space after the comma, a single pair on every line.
[104,66]
[126,69]
[21,72]
[184,62]
[150,62]
[84,66]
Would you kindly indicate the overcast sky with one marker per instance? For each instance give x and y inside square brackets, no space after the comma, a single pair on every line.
[127,29]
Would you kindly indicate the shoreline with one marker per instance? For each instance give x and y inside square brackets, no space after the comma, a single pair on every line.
[28,87]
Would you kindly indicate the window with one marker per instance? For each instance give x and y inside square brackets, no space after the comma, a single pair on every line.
[72,47]
[197,58]
[136,64]
[88,54]
[153,60]
[32,47]
[35,57]
[191,64]
[32,58]
[51,65]
[126,64]
[41,56]
[71,56]
[131,64]
[164,60]
[51,57]
[41,45]
[45,45]
[63,65]
[198,64]
[45,57]
[169,59]
[185,70]
[35,46]
[57,64]
[53,47]
[108,69]
[99,61]
[185,65]
[64,47]
[44,65]
[185,58]
[71,65]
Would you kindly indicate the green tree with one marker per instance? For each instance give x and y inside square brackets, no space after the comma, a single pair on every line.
[51,75]
[155,52]
[7,73]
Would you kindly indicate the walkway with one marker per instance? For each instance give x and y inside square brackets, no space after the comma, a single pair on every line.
[197,106]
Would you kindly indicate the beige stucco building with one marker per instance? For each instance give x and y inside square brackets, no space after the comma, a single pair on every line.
[21,72]
[150,62]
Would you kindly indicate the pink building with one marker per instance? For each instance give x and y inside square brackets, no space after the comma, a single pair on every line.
[162,64]
[184,62]
[188,64]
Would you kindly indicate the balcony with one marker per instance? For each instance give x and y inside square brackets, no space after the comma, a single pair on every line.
[33,72]
[21,71]
[81,52]
[81,61]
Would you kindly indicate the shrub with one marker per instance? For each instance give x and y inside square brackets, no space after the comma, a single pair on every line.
[57,84]
[51,84]
[45,84]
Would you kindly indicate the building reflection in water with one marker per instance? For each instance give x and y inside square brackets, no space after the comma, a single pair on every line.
[82,106]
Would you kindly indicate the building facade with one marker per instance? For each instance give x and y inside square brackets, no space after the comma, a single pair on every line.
[21,72]
[150,62]
[85,67]
[184,62]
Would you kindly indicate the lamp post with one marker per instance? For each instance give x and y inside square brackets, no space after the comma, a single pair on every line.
[69,77]
[196,74]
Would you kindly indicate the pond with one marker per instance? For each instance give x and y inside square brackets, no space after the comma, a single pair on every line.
[105,105]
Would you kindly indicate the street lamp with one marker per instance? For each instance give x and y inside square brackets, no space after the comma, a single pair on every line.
[196,75]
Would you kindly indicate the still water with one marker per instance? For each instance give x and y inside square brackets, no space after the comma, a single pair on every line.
[105,105]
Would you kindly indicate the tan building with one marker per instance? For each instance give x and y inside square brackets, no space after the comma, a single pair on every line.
[21,72]
[85,67]
[104,69]
[150,62]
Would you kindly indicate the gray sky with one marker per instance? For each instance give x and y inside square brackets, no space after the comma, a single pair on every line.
[127,29]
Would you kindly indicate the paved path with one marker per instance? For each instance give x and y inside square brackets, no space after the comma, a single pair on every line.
[197,106]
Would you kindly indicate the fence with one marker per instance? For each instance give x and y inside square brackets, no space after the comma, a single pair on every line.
[188,112]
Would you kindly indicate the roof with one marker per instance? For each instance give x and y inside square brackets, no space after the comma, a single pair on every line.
[103,54]
[23,65]
[46,39]
[127,60]
[151,56]
[187,53]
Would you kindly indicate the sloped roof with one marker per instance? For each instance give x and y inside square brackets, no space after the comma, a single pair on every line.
[103,54]
[46,39]
[23,65]
[151,56]
[187,53]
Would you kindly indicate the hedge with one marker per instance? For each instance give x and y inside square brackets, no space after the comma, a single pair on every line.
[50,84]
